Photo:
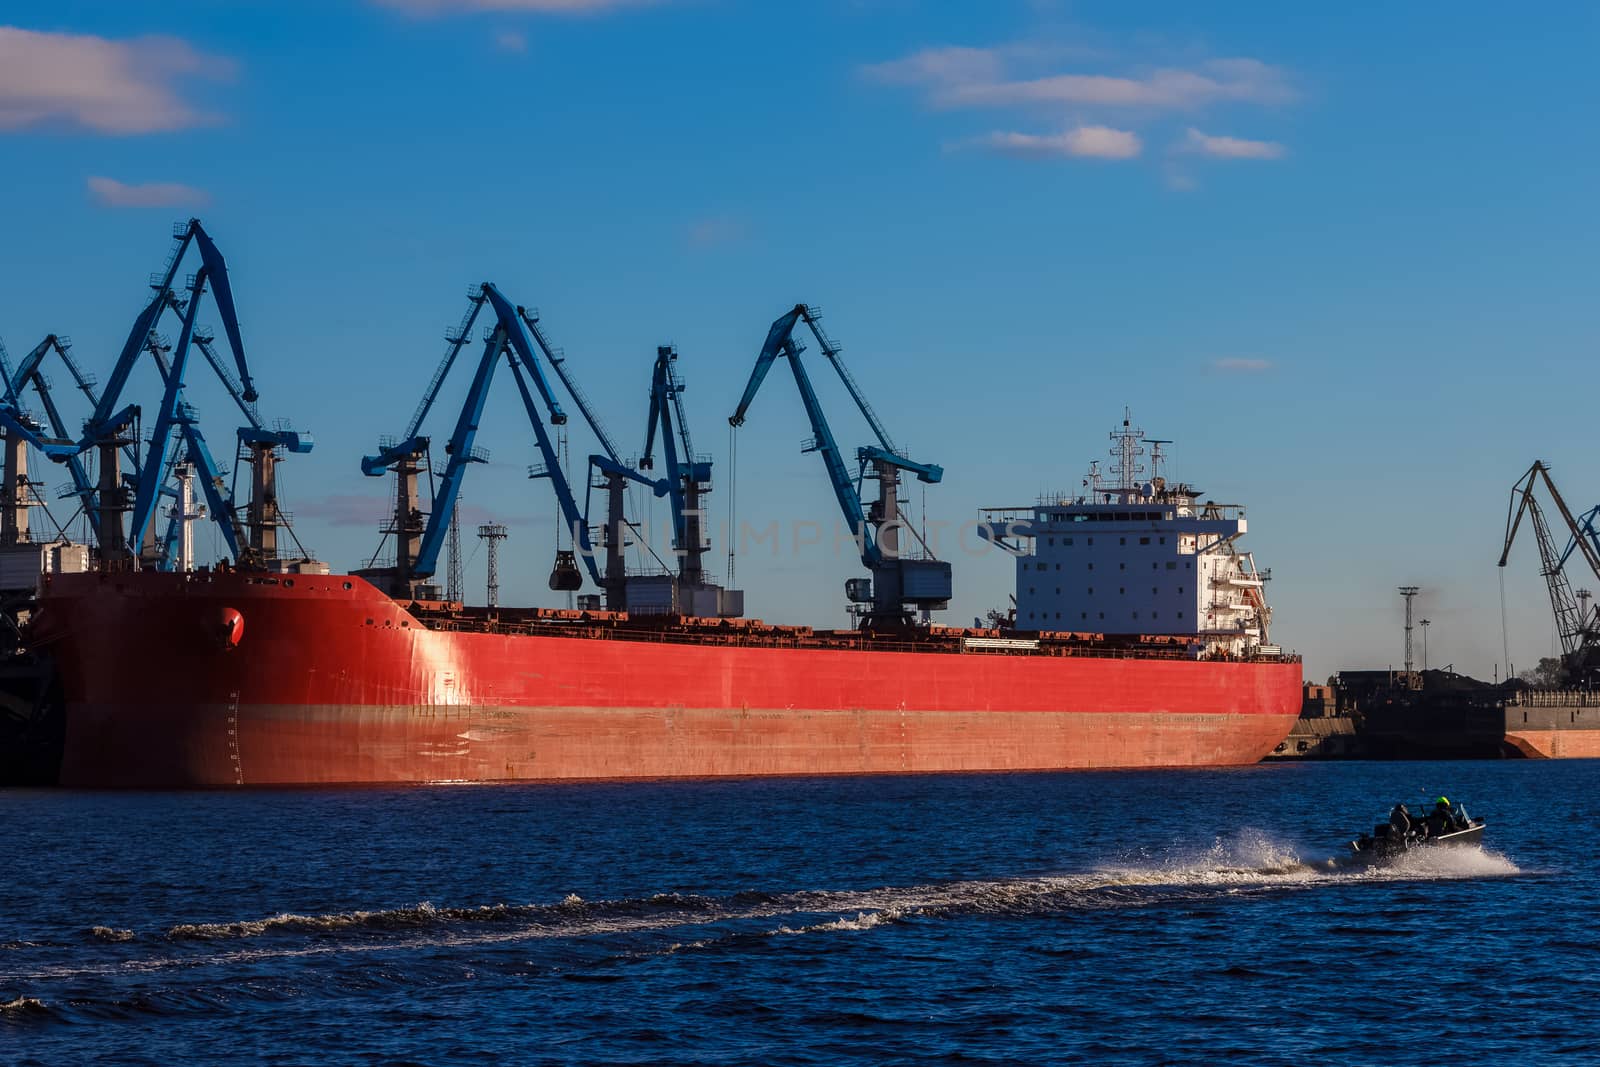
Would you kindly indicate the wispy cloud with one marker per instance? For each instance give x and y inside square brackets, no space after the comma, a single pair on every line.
[511,41]
[1239,365]
[955,77]
[1082,142]
[951,65]
[536,7]
[92,83]
[1229,147]
[1099,104]
[717,230]
[113,193]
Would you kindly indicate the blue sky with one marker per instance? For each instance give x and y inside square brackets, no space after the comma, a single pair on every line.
[1345,258]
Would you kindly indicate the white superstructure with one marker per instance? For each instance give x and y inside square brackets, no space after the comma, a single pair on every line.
[1130,556]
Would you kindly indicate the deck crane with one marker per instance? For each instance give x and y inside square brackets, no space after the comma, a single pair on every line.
[107,430]
[1580,635]
[688,475]
[418,542]
[13,525]
[22,430]
[607,471]
[191,456]
[260,446]
[898,584]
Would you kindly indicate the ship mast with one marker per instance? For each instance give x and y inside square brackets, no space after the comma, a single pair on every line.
[1125,453]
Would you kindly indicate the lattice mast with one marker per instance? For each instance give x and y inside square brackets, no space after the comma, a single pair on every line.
[1409,592]
[492,534]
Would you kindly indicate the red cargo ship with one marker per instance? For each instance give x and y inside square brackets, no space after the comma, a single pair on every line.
[1138,639]
[234,678]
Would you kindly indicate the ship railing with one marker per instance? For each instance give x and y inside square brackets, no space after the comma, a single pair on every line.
[1554,698]
[951,645]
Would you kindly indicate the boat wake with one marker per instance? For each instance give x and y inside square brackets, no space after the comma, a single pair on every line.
[1249,862]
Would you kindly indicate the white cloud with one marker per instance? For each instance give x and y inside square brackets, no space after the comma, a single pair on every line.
[1162,90]
[511,41]
[940,66]
[537,7]
[1092,142]
[1229,147]
[115,87]
[1238,365]
[113,193]
[956,77]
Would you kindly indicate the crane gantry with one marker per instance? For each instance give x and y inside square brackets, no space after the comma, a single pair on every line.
[898,584]
[1579,632]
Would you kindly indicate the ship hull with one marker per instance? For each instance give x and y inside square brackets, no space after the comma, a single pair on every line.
[229,679]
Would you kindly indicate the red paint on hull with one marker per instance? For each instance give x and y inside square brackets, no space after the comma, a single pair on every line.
[331,681]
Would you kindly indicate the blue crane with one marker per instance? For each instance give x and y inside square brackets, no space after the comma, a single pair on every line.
[418,543]
[614,475]
[21,430]
[688,475]
[898,584]
[1585,529]
[108,427]
[197,453]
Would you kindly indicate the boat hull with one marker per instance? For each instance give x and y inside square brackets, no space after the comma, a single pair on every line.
[229,679]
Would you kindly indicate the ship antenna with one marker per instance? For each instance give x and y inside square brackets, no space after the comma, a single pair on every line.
[1157,456]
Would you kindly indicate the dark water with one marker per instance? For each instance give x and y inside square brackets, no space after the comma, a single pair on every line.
[1164,917]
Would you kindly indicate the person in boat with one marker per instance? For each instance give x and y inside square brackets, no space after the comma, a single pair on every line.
[1399,821]
[1440,820]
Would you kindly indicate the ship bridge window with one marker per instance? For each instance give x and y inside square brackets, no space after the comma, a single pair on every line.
[1144,540]
[1172,564]
[1067,541]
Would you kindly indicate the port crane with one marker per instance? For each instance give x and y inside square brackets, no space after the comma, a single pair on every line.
[23,429]
[688,474]
[1579,632]
[253,543]
[607,472]
[512,336]
[898,584]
